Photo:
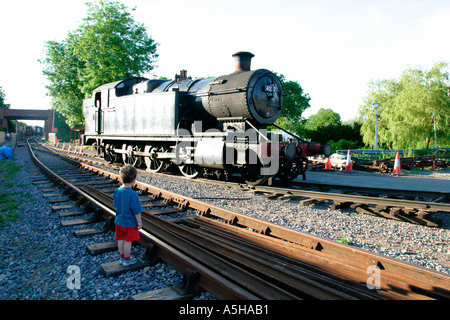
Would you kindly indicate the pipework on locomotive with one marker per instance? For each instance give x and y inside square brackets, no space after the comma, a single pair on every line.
[215,126]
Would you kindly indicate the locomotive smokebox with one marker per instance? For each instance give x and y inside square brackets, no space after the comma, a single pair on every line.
[256,96]
[243,60]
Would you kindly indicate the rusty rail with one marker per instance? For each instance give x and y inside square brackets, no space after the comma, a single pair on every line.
[258,269]
[411,211]
[348,270]
[397,279]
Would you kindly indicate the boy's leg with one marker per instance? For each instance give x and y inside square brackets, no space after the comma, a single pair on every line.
[120,245]
[127,249]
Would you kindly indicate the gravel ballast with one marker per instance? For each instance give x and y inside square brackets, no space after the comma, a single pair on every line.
[37,255]
[36,252]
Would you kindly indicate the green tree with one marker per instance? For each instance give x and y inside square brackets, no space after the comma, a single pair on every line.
[3,105]
[63,74]
[112,45]
[406,108]
[323,118]
[109,45]
[326,127]
[295,102]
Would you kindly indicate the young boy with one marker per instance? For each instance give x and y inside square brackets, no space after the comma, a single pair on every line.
[128,214]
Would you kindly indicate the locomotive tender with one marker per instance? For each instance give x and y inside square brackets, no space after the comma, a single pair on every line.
[203,126]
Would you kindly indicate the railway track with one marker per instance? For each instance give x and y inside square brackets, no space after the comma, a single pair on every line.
[376,203]
[235,256]
[409,206]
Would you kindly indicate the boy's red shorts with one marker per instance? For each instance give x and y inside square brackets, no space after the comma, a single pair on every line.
[127,234]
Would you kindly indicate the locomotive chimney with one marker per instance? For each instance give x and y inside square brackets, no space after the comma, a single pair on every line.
[181,76]
[243,60]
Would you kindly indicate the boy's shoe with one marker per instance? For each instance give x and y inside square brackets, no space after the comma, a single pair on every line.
[129,262]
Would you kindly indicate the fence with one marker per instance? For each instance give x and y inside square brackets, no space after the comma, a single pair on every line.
[389,152]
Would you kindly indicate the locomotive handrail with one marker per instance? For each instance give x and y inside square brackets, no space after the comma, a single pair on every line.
[294,135]
[251,125]
[210,93]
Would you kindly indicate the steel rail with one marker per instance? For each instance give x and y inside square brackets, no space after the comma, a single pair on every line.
[375,200]
[338,258]
[264,289]
[260,272]
[371,190]
[388,202]
[397,279]
[209,280]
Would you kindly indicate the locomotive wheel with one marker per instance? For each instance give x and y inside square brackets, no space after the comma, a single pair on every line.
[98,149]
[130,158]
[154,165]
[288,171]
[107,154]
[252,175]
[190,171]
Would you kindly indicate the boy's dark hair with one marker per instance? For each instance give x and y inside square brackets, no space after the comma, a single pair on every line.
[127,173]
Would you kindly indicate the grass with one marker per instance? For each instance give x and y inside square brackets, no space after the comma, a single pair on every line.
[9,199]
[344,240]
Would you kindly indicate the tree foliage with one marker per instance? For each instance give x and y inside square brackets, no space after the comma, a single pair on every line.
[112,45]
[326,127]
[323,127]
[3,105]
[108,46]
[63,70]
[406,108]
[323,118]
[294,103]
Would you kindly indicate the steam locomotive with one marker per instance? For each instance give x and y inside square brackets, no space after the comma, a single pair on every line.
[216,126]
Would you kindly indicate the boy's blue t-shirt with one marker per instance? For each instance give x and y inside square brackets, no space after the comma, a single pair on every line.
[127,204]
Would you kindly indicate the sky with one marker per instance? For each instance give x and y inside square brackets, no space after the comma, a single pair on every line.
[333,49]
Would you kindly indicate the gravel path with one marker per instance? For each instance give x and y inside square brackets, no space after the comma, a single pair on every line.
[36,252]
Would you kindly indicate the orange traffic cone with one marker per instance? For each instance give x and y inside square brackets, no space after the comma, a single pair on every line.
[76,148]
[328,165]
[64,146]
[397,169]
[348,165]
[70,147]
[81,148]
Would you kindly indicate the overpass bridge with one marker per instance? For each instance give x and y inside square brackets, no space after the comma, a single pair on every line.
[28,114]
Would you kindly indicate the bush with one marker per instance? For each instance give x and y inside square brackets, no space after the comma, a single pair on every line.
[343,144]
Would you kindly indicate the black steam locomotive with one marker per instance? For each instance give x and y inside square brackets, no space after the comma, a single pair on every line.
[213,126]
